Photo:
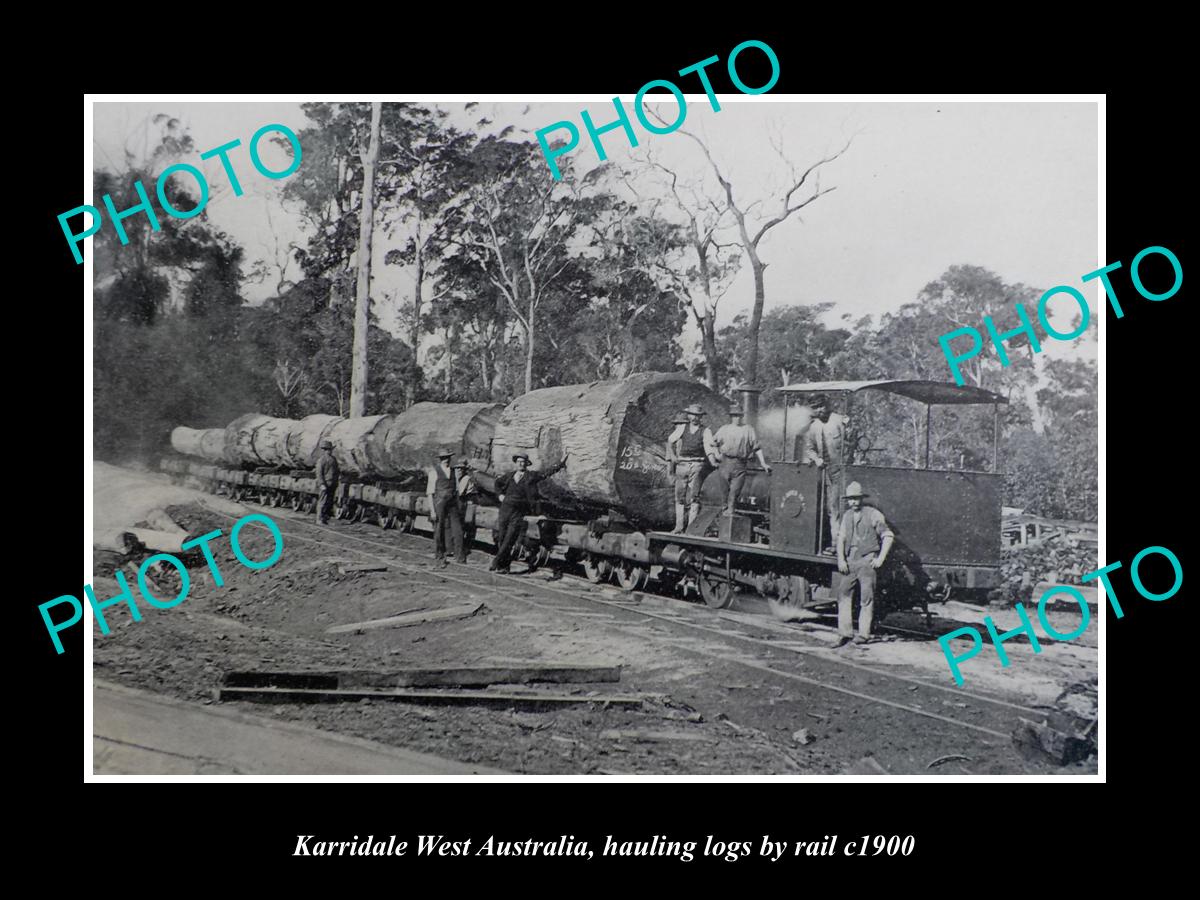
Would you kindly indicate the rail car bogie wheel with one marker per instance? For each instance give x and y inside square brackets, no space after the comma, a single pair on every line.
[297,502]
[388,520]
[596,568]
[716,591]
[406,524]
[276,499]
[631,577]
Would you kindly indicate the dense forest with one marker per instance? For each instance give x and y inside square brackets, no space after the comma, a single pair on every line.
[520,282]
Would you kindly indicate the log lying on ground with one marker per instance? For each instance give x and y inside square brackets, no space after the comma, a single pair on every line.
[442,676]
[616,434]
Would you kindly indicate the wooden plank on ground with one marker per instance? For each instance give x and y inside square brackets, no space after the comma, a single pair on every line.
[348,569]
[530,700]
[416,617]
[614,734]
[441,676]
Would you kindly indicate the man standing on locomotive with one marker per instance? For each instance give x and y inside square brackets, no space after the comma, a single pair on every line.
[738,445]
[863,543]
[691,444]
[327,482]
[518,493]
[825,448]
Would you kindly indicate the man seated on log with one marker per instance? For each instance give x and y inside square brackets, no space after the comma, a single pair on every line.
[518,492]
[327,482]
[691,445]
[737,444]
[444,489]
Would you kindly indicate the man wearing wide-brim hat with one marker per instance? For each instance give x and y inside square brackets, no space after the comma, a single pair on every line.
[738,445]
[863,542]
[690,445]
[327,482]
[518,493]
[444,489]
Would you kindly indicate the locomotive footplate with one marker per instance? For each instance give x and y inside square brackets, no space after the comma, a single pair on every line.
[715,544]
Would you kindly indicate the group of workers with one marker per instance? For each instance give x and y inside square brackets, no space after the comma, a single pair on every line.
[447,486]
[860,538]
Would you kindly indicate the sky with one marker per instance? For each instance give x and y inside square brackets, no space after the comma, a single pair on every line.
[1008,186]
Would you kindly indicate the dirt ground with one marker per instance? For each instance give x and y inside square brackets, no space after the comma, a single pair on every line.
[701,715]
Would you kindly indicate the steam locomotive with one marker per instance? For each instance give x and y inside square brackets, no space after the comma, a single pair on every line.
[607,510]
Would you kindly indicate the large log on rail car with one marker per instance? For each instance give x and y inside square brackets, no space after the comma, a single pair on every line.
[203,443]
[616,434]
[416,435]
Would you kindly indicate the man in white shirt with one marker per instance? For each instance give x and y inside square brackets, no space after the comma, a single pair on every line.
[691,444]
[444,488]
[738,445]
[825,448]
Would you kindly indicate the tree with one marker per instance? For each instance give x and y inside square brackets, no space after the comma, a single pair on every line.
[689,260]
[518,227]
[362,300]
[169,347]
[903,344]
[432,164]
[752,231]
[794,345]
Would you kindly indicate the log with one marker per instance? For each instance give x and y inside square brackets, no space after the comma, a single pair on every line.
[442,676]
[417,434]
[616,434]
[239,439]
[304,439]
[269,441]
[204,443]
[412,617]
[531,700]
[358,445]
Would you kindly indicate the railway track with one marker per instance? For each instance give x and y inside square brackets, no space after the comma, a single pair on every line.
[786,655]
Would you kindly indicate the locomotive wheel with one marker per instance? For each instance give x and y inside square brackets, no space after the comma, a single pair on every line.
[630,577]
[717,592]
[596,568]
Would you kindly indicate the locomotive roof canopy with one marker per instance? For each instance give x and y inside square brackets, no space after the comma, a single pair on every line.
[939,392]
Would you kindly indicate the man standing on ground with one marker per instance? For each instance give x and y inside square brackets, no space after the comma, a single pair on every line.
[863,543]
[825,448]
[327,482]
[737,444]
[445,509]
[691,444]
[518,493]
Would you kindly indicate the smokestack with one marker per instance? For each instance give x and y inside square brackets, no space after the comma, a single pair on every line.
[749,402]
